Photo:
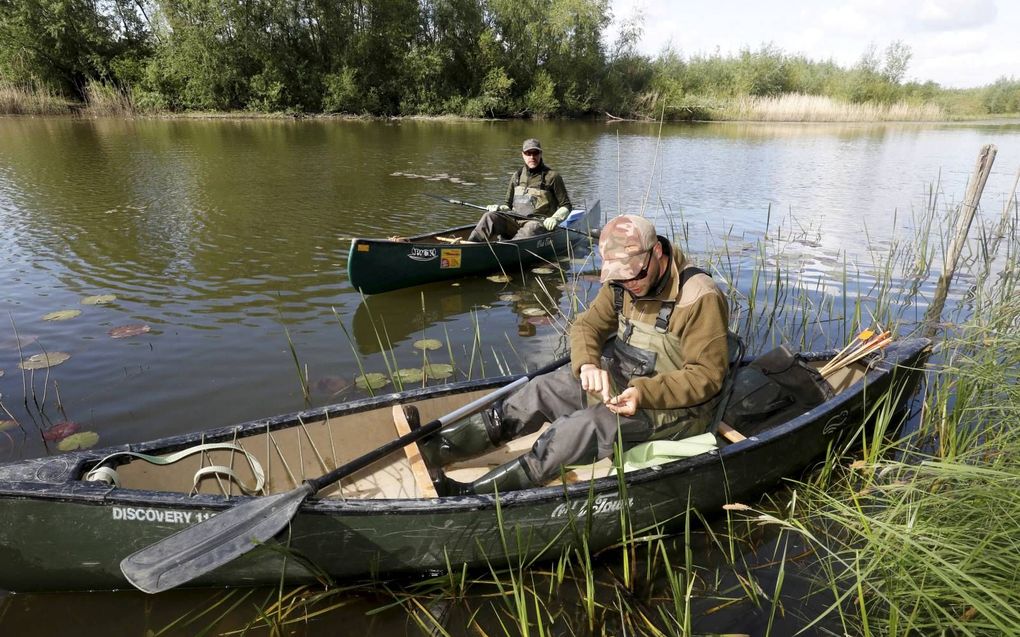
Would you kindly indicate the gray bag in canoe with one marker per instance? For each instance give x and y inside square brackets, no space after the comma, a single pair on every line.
[776,386]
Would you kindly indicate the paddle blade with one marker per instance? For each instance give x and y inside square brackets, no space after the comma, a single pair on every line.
[198,549]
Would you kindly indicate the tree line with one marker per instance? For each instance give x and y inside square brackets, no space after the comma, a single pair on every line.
[478,58]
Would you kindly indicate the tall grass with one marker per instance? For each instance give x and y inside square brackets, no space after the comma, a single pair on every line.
[795,107]
[31,100]
[106,100]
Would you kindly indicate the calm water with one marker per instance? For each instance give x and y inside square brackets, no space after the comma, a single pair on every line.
[225,236]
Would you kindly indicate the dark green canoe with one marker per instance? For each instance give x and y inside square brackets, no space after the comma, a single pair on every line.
[381,265]
[60,532]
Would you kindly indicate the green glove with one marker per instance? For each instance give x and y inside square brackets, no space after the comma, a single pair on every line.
[497,207]
[561,213]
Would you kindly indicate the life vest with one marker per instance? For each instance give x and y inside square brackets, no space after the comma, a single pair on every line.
[640,349]
[530,200]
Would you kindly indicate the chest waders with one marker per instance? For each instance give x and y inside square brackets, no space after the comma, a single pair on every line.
[643,350]
[529,200]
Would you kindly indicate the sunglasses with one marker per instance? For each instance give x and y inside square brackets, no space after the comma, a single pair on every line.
[642,273]
[532,153]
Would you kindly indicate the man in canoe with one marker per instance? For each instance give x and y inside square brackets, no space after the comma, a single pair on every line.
[536,201]
[658,379]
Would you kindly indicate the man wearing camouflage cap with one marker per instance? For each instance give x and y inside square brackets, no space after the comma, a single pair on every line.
[536,201]
[658,379]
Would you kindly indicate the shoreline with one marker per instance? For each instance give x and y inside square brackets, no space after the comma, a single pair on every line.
[81,114]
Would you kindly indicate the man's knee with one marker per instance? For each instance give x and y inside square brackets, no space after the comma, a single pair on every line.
[561,444]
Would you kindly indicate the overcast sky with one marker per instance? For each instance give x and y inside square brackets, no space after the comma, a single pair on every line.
[957,43]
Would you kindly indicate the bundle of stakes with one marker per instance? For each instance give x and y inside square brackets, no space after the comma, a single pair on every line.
[865,343]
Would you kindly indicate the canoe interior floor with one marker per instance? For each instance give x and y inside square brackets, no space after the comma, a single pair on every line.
[310,449]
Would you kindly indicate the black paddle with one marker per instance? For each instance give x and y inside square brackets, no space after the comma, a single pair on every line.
[198,549]
[510,213]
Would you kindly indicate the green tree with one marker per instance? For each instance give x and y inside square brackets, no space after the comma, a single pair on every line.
[63,44]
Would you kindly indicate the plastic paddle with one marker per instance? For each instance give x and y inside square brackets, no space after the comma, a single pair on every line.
[198,549]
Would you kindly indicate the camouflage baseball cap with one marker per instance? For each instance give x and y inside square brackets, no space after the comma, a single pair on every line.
[531,144]
[625,243]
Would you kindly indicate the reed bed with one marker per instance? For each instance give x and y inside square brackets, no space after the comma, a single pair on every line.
[31,100]
[107,100]
[796,107]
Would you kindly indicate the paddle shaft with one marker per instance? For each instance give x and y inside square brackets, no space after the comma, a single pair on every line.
[428,429]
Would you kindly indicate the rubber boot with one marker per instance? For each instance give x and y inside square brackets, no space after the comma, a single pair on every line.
[464,439]
[512,476]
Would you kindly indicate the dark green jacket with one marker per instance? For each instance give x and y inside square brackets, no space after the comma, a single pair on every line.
[553,185]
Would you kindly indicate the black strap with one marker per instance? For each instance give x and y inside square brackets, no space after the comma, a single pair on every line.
[690,271]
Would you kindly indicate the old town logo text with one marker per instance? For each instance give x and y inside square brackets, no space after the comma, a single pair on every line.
[599,506]
[422,254]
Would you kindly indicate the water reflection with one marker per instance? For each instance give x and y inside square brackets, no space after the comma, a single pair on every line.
[386,321]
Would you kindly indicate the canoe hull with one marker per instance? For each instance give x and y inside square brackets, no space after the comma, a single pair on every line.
[57,533]
[381,265]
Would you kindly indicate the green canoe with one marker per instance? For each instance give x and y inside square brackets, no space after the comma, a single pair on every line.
[381,265]
[59,531]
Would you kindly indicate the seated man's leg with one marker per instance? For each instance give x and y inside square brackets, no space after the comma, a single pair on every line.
[531,229]
[583,436]
[542,400]
[525,411]
[493,226]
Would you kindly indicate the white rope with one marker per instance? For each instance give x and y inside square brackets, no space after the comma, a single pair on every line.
[109,475]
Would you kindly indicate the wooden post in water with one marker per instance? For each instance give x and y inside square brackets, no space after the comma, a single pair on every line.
[967,209]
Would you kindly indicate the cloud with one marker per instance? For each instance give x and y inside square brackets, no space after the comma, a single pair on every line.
[954,15]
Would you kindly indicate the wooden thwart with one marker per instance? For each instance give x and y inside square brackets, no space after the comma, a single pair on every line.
[418,468]
[730,433]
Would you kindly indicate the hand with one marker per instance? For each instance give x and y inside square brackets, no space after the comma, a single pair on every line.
[626,404]
[551,222]
[497,207]
[595,381]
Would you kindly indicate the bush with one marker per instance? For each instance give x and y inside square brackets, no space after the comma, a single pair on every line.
[1002,97]
[342,94]
[541,100]
[267,93]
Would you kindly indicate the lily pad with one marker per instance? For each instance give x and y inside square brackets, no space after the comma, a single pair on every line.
[61,315]
[533,311]
[499,278]
[124,331]
[99,299]
[428,344]
[439,370]
[61,430]
[510,297]
[410,375]
[8,424]
[542,270]
[81,440]
[372,380]
[42,361]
